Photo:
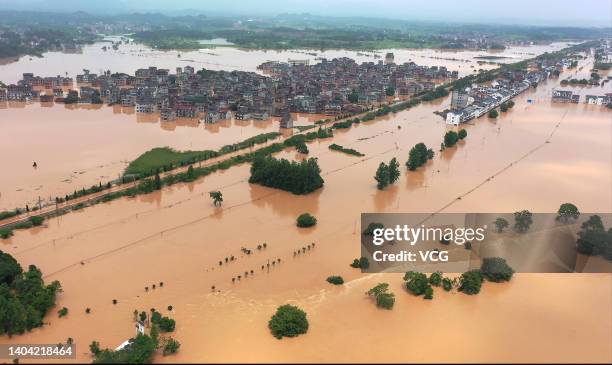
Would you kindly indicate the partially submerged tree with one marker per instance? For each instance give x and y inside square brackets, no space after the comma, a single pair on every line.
[140,351]
[369,231]
[394,172]
[288,321]
[593,238]
[500,224]
[217,197]
[361,263]
[450,139]
[297,177]
[158,182]
[447,284]
[567,212]
[387,174]
[336,280]
[384,299]
[418,156]
[435,278]
[416,282]
[306,220]
[382,176]
[522,221]
[170,346]
[496,269]
[470,282]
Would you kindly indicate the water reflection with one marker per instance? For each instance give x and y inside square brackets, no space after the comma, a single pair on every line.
[415,179]
[383,199]
[285,204]
[448,152]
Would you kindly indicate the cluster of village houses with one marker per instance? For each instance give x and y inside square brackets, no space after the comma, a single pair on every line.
[332,87]
[477,100]
[568,96]
[602,54]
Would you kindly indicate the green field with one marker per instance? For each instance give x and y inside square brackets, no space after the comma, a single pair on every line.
[166,159]
[161,157]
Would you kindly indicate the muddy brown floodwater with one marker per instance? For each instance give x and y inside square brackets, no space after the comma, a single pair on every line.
[113,250]
[76,146]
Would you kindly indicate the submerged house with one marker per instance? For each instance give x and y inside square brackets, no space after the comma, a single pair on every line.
[565,96]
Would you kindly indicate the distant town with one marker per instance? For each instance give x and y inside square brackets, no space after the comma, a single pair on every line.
[336,88]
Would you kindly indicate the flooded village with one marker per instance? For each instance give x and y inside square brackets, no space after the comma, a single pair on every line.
[337,87]
[168,249]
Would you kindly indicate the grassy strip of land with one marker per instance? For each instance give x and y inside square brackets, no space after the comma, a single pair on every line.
[348,151]
[303,128]
[166,159]
[149,184]
[33,221]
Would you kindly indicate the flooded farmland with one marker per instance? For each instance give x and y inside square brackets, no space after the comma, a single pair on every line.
[535,156]
[76,146]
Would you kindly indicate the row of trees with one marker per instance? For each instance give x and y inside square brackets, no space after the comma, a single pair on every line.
[291,321]
[506,105]
[494,269]
[24,297]
[523,219]
[297,177]
[593,239]
[348,151]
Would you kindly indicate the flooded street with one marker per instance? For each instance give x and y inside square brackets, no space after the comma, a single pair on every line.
[535,156]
